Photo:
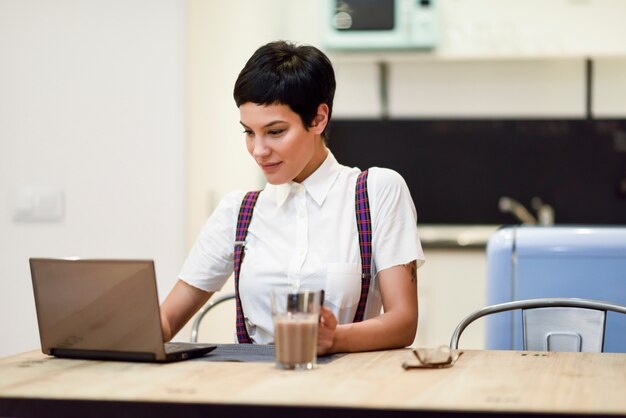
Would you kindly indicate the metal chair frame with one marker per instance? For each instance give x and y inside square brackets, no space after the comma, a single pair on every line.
[204,310]
[529,304]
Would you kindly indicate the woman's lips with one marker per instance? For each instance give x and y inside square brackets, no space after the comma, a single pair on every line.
[270,167]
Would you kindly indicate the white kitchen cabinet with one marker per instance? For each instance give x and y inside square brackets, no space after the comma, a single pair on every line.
[452,284]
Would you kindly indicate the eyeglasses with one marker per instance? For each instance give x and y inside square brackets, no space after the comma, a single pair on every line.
[433,358]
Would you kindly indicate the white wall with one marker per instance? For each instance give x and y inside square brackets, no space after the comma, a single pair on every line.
[92,104]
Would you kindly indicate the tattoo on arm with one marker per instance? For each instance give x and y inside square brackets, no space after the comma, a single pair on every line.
[412,267]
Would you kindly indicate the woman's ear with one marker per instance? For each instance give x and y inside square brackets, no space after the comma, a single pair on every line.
[321,119]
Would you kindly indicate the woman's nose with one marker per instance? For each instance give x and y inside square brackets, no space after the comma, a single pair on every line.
[260,148]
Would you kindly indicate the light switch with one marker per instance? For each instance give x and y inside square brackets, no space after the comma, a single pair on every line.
[39,204]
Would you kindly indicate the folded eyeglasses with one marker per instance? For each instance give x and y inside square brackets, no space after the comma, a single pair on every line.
[433,358]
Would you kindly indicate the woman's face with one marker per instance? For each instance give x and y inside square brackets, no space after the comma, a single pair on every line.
[279,143]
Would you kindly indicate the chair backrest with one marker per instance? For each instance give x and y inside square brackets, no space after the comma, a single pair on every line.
[553,324]
[195,327]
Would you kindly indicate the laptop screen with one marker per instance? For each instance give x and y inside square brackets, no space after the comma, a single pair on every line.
[106,305]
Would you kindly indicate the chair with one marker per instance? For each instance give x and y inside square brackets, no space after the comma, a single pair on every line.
[204,310]
[553,324]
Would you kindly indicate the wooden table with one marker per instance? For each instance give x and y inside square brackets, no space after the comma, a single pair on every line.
[509,383]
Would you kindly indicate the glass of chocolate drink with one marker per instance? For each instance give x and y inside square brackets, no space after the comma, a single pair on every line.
[296,316]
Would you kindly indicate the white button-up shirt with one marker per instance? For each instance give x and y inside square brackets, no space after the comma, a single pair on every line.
[305,235]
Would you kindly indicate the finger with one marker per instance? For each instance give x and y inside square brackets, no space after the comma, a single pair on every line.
[324,314]
[327,318]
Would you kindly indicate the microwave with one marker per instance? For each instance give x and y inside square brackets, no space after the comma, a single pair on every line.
[380,24]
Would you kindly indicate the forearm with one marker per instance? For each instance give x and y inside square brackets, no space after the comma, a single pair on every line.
[387,331]
[179,307]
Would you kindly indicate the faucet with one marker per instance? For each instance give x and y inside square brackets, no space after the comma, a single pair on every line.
[545,212]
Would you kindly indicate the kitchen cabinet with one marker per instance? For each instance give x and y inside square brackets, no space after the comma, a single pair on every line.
[452,283]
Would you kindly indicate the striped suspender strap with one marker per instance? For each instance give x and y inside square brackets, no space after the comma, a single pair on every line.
[364,226]
[243,221]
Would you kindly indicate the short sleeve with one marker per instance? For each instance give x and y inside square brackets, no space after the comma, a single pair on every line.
[395,240]
[210,261]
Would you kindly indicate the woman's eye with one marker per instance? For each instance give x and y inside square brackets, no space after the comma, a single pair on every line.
[247,132]
[276,132]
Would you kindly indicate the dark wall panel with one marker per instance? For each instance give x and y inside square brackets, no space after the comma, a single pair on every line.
[458,169]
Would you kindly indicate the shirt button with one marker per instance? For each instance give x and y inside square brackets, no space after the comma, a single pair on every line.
[301,215]
[301,252]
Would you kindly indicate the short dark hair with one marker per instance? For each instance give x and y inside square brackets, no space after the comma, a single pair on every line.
[280,72]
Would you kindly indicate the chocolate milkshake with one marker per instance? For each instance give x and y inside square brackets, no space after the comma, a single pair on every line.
[296,316]
[295,336]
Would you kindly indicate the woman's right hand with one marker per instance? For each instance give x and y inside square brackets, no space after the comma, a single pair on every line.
[326,331]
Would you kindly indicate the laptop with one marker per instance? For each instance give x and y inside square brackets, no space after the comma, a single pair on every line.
[104,310]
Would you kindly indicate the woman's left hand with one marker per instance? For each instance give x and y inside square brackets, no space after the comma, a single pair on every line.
[326,331]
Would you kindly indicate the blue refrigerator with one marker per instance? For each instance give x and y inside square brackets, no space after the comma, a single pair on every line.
[525,262]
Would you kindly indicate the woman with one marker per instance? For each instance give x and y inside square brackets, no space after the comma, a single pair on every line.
[303,229]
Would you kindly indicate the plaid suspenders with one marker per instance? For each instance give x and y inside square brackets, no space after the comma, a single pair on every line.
[243,221]
[364,226]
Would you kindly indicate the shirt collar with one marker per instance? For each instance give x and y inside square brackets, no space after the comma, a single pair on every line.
[317,184]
